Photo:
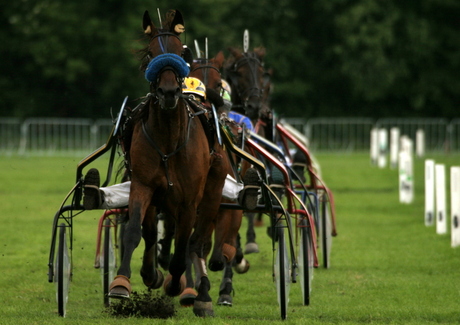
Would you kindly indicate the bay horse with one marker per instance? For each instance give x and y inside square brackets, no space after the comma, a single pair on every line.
[226,250]
[250,85]
[174,169]
[228,221]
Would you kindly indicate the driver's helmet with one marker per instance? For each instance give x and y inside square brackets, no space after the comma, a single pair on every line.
[226,91]
[194,86]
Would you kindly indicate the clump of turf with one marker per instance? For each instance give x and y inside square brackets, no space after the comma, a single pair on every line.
[147,304]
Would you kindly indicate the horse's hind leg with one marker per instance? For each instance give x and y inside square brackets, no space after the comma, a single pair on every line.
[228,223]
[164,243]
[184,225]
[240,263]
[188,296]
[251,245]
[226,286]
[152,277]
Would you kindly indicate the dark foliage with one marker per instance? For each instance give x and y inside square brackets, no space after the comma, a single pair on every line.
[367,58]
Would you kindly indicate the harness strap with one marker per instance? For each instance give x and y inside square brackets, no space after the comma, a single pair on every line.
[163,156]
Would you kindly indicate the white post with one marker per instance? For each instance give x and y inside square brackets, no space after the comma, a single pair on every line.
[394,147]
[374,146]
[420,143]
[406,178]
[455,205]
[429,192]
[383,148]
[407,145]
[441,222]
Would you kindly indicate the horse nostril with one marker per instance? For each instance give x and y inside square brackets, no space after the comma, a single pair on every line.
[178,91]
[160,92]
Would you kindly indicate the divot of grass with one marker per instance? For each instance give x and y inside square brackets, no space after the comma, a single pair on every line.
[147,304]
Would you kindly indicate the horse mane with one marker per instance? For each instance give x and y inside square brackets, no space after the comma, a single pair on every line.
[144,57]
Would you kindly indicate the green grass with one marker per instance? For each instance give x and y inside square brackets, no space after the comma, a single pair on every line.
[387,267]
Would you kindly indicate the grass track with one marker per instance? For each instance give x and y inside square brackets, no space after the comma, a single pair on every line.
[387,267]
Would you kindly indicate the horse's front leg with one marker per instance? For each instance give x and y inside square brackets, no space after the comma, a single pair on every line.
[200,245]
[139,201]
[152,277]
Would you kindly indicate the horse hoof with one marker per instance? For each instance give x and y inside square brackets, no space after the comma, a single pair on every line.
[173,292]
[154,285]
[203,308]
[225,300]
[118,293]
[242,267]
[120,287]
[187,298]
[251,248]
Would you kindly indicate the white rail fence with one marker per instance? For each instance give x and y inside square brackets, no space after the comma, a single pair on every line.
[51,136]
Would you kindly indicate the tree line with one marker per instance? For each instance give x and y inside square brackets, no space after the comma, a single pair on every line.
[368,58]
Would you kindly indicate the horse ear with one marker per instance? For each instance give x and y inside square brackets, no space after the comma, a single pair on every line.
[219,59]
[235,52]
[147,23]
[177,25]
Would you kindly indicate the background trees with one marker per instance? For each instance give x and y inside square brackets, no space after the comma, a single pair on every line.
[330,58]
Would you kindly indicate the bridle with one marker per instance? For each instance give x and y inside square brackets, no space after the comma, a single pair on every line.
[164,62]
[255,90]
[157,65]
[204,64]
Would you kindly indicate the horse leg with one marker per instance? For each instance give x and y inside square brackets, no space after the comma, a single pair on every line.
[232,240]
[226,286]
[251,245]
[177,266]
[228,223]
[188,296]
[201,239]
[240,264]
[152,277]
[164,242]
[121,286]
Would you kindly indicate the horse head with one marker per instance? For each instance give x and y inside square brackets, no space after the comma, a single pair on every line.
[166,67]
[208,71]
[245,74]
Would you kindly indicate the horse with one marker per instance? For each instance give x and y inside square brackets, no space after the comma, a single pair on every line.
[228,221]
[226,250]
[251,86]
[175,169]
